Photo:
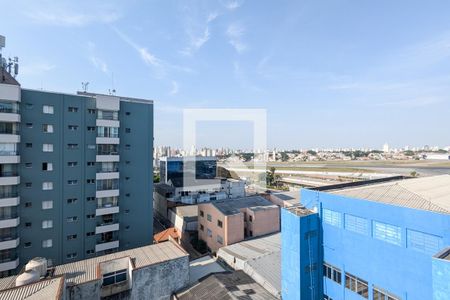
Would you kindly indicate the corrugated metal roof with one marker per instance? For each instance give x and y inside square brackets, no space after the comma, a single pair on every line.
[233,206]
[253,248]
[266,270]
[86,270]
[425,193]
[44,289]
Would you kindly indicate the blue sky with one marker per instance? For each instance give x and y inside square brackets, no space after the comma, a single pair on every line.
[329,73]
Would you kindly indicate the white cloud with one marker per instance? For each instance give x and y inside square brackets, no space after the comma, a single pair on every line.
[232,5]
[36,68]
[211,17]
[96,61]
[235,32]
[174,89]
[198,37]
[58,14]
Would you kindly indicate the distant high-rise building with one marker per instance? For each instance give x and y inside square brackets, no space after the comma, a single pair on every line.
[386,148]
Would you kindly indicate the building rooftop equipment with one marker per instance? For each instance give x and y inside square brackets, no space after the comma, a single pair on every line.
[424,193]
[233,206]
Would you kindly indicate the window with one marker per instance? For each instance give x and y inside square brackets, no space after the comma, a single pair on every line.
[28,184]
[332,217]
[47,147]
[72,146]
[29,105]
[90,233]
[71,255]
[47,224]
[90,181]
[209,232]
[27,245]
[219,223]
[208,217]
[29,125]
[47,128]
[47,185]
[114,277]
[28,165]
[111,132]
[202,214]
[72,200]
[72,163]
[127,130]
[48,109]
[90,198]
[47,243]
[250,218]
[388,233]
[356,224]
[72,219]
[28,145]
[71,237]
[127,147]
[332,273]
[72,109]
[107,184]
[91,216]
[72,127]
[423,242]
[28,204]
[202,228]
[47,166]
[91,128]
[107,115]
[357,285]
[27,224]
[91,111]
[127,113]
[47,204]
[72,182]
[219,239]
[380,294]
[90,251]
[91,163]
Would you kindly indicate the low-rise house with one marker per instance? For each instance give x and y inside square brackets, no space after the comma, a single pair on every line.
[184,219]
[150,272]
[222,223]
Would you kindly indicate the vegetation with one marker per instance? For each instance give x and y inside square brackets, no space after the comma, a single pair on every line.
[311,152]
[156,178]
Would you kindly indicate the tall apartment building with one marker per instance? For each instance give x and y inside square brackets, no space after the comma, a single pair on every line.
[76,179]
[383,241]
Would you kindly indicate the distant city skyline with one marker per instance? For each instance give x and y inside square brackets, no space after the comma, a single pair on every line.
[325,82]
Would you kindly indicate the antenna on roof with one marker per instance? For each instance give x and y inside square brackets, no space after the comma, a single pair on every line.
[112,91]
[84,86]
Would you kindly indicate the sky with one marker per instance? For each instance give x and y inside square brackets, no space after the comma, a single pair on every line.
[345,73]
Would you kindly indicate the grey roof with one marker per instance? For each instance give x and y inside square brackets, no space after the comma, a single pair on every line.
[86,270]
[425,193]
[235,285]
[253,248]
[233,206]
[186,210]
[266,270]
[45,289]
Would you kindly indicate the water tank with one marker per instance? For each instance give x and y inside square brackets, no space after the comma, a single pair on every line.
[39,264]
[27,277]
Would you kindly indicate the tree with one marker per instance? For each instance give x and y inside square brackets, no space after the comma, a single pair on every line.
[414,174]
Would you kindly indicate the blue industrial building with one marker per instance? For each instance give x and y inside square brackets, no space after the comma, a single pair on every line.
[382,241]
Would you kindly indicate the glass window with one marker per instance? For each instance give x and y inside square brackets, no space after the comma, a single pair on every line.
[47,147]
[47,243]
[107,184]
[219,223]
[219,239]
[107,115]
[356,224]
[209,232]
[48,109]
[388,233]
[332,273]
[423,242]
[47,128]
[332,217]
[208,217]
[48,204]
[357,285]
[380,294]
[48,185]
[47,224]
[8,149]
[47,166]
[115,277]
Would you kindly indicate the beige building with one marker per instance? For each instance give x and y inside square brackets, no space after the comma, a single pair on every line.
[222,223]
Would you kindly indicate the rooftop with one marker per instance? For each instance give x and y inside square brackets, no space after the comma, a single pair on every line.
[165,234]
[233,206]
[425,193]
[188,158]
[299,210]
[86,270]
[186,210]
[234,285]
[45,289]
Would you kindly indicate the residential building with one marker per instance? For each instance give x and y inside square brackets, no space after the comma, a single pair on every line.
[188,167]
[377,241]
[76,180]
[149,272]
[225,222]
[184,219]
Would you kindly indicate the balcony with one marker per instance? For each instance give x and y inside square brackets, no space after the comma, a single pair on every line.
[106,210]
[9,264]
[106,227]
[107,175]
[9,221]
[107,193]
[107,140]
[9,157]
[9,199]
[9,178]
[102,246]
[107,123]
[9,138]
[9,243]
[113,157]
[9,117]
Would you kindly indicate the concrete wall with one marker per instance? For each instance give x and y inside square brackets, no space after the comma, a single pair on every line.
[264,221]
[441,278]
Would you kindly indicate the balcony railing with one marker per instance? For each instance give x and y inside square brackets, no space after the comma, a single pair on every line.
[9,108]
[106,135]
[9,131]
[9,174]
[108,170]
[8,216]
[9,152]
[9,237]
[8,259]
[9,195]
